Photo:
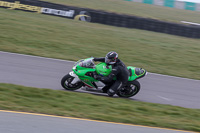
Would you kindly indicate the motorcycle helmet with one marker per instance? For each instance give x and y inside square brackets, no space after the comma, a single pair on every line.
[111,58]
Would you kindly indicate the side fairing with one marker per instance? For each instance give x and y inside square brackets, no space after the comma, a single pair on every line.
[81,72]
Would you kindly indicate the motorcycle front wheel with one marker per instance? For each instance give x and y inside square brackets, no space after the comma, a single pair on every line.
[131,89]
[67,84]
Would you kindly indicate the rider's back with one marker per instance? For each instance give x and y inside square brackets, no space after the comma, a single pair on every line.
[122,71]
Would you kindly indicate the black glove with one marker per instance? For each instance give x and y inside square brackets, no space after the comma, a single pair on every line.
[97,77]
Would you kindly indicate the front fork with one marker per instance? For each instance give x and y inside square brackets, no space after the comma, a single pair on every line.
[76,78]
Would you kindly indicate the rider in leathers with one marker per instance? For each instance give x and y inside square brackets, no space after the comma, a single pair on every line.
[118,69]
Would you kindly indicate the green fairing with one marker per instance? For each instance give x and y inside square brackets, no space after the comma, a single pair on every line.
[134,75]
[103,69]
[83,66]
[81,73]
[88,80]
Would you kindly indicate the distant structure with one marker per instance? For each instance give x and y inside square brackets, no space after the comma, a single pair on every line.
[172,3]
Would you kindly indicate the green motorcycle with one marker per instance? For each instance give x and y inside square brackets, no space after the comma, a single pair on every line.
[83,71]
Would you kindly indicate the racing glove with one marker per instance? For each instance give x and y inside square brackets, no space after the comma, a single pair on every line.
[97,77]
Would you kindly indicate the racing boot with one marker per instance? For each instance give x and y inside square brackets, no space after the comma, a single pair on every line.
[111,92]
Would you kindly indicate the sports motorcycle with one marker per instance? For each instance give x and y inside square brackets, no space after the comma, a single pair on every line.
[82,75]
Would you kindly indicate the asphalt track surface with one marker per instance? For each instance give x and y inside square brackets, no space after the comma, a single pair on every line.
[42,72]
[17,122]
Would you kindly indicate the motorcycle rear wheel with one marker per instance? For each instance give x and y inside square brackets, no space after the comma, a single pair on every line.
[66,83]
[131,89]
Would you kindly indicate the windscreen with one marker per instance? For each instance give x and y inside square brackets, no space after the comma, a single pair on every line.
[78,62]
[87,64]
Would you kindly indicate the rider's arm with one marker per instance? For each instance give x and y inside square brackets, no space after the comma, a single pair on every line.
[110,77]
[101,59]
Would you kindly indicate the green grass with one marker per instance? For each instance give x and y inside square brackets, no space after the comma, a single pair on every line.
[49,36]
[136,9]
[65,103]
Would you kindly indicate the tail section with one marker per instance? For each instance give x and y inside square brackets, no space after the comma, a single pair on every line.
[136,73]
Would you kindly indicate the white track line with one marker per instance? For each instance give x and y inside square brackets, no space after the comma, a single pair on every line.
[167,99]
[33,56]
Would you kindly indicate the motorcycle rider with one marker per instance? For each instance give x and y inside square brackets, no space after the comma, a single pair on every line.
[118,69]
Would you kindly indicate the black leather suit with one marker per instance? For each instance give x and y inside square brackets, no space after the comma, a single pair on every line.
[119,70]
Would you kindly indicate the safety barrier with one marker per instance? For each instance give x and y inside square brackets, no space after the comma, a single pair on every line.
[101,17]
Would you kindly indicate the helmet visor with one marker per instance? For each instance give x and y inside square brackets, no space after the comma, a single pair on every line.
[109,61]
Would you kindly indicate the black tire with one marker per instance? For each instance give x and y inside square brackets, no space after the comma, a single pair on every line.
[128,91]
[68,79]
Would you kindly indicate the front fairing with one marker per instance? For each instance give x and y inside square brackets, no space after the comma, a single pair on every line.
[83,66]
[82,70]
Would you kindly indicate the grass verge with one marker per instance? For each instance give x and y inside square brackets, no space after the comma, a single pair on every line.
[49,36]
[65,103]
